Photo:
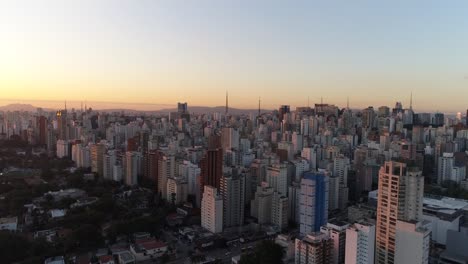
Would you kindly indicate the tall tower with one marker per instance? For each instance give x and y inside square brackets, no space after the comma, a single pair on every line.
[400,196]
[227,105]
[313,201]
[211,165]
[62,121]
[411,101]
[259,108]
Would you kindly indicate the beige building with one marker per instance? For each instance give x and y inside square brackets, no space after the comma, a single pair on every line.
[400,197]
[212,210]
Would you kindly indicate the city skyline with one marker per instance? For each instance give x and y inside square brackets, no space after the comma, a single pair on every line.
[170,51]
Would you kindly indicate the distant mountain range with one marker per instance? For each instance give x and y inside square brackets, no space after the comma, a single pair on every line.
[192,109]
[21,107]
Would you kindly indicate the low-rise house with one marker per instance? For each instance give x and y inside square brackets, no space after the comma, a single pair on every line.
[125,257]
[148,248]
[9,223]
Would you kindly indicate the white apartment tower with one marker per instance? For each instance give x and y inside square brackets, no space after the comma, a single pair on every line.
[400,197]
[277,178]
[212,210]
[412,242]
[360,243]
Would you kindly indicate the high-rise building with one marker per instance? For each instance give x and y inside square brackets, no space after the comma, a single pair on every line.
[368,117]
[279,210]
[97,158]
[449,170]
[277,177]
[384,111]
[62,122]
[400,197]
[412,242]
[313,202]
[230,138]
[110,160]
[166,169]
[466,120]
[336,230]
[315,248]
[211,165]
[260,206]
[232,189]
[282,111]
[176,190]
[42,130]
[63,148]
[132,167]
[182,108]
[294,197]
[151,166]
[360,242]
[212,210]
[334,193]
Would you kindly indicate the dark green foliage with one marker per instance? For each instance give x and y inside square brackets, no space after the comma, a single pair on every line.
[266,252]
[15,247]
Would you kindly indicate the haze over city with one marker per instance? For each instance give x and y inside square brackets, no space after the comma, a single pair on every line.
[233,132]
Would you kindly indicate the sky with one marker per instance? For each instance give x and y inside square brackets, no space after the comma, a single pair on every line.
[161,52]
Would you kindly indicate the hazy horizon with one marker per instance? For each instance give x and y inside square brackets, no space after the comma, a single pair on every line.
[56,105]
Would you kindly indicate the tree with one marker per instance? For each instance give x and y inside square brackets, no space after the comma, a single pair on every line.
[266,252]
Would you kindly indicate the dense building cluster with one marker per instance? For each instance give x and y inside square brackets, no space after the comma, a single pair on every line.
[343,185]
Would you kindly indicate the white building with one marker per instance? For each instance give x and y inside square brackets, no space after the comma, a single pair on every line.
[110,159]
[260,206]
[176,187]
[212,210]
[412,242]
[444,214]
[63,148]
[446,169]
[360,243]
[277,178]
[190,171]
[310,154]
[166,169]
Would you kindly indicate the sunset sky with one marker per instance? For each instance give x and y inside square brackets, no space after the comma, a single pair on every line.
[161,52]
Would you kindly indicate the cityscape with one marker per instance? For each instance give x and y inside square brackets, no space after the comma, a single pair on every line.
[233,133]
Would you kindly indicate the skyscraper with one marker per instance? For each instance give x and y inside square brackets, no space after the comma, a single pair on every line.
[62,124]
[283,110]
[399,198]
[182,108]
[313,202]
[360,243]
[211,165]
[212,210]
[277,177]
[97,158]
[232,188]
[166,169]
